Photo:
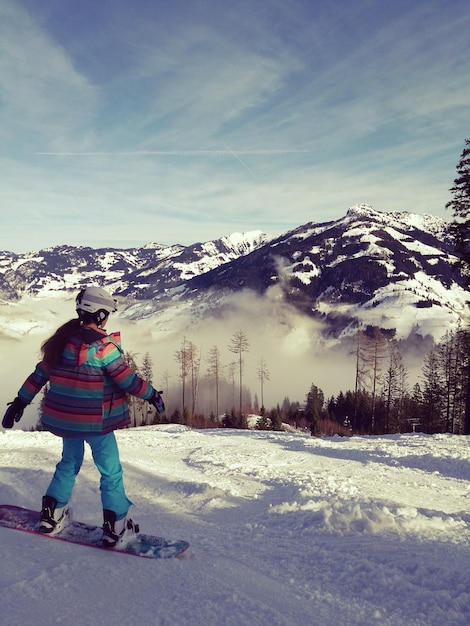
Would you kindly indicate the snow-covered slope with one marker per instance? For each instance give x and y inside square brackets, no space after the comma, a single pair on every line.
[285,530]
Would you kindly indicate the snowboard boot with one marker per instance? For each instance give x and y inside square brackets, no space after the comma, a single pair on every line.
[52,519]
[116,533]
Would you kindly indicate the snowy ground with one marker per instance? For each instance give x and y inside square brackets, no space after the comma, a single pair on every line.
[284,529]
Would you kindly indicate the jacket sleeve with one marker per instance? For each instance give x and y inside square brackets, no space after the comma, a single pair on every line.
[122,375]
[34,383]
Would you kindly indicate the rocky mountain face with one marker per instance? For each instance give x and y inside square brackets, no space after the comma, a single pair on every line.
[394,270]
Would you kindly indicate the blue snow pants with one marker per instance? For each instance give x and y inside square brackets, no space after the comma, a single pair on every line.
[106,458]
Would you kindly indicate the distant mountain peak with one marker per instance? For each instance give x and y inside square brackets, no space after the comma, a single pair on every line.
[253,237]
[420,220]
[361,209]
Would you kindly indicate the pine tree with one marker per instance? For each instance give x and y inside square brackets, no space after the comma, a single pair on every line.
[460,206]
[263,422]
[433,393]
[292,412]
[464,368]
[453,352]
[234,420]
[276,419]
[315,400]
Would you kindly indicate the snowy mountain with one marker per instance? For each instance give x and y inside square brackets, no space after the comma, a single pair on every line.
[136,272]
[392,270]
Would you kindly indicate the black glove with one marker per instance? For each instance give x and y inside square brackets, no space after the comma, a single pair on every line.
[13,413]
[157,401]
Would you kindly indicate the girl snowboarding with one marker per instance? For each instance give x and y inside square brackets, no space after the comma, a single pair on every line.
[88,380]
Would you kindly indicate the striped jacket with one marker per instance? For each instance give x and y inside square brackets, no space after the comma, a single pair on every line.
[87,391]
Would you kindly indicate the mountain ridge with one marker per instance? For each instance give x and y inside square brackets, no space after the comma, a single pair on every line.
[367,267]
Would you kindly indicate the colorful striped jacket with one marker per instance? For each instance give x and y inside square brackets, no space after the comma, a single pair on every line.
[87,391]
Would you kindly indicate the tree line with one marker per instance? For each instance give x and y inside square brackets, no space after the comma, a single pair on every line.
[382,401]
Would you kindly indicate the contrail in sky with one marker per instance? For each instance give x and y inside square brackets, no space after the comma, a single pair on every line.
[180,153]
[239,159]
[196,153]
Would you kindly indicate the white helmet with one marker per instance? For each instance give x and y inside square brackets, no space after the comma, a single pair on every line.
[95,300]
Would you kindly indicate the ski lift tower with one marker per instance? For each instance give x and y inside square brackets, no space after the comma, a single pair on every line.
[414,421]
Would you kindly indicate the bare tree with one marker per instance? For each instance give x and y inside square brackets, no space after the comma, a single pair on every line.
[378,355]
[182,358]
[148,415]
[370,356]
[166,385]
[239,345]
[189,361]
[136,405]
[394,386]
[231,368]
[263,375]
[361,341]
[194,360]
[214,370]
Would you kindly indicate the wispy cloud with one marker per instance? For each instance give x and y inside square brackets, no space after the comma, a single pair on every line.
[172,124]
[43,96]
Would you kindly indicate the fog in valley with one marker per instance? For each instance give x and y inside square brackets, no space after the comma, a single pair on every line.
[289,343]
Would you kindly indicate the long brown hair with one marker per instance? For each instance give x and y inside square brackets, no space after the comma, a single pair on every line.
[53,347]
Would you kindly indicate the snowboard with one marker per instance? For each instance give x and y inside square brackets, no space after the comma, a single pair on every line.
[146,546]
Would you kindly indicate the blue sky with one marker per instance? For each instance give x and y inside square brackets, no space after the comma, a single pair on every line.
[125,122]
